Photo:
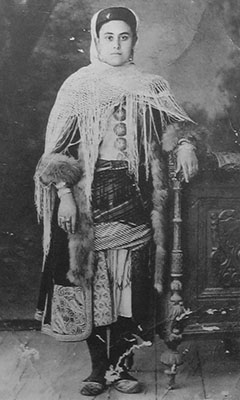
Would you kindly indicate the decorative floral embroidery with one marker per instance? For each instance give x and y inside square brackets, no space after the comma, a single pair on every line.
[68,310]
[112,286]
[102,296]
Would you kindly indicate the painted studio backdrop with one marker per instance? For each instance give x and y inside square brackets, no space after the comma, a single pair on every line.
[194,44]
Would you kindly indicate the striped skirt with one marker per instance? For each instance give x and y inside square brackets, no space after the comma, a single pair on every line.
[124,252]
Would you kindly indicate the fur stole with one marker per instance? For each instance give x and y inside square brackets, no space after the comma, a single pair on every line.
[55,168]
[58,167]
[159,200]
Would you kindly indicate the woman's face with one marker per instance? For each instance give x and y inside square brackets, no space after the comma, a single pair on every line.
[115,43]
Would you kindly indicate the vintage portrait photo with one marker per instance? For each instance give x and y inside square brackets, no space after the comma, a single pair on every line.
[120,199]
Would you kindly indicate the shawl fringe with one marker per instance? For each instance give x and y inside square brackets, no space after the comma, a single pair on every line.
[85,101]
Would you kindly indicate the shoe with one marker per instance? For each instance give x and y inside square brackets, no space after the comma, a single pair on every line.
[92,388]
[95,384]
[127,383]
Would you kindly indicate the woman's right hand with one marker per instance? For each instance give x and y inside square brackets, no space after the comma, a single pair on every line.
[67,213]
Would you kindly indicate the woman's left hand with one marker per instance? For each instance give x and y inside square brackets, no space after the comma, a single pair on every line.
[187,161]
[67,213]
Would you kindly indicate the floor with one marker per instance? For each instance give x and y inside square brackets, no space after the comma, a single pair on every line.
[34,366]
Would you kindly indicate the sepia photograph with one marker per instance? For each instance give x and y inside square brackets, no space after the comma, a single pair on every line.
[120,199]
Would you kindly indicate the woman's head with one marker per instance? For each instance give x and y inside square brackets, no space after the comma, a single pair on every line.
[115,35]
[114,14]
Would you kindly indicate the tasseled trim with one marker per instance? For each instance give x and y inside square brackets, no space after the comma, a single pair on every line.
[45,200]
[159,198]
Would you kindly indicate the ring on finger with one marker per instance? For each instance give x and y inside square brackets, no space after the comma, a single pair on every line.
[64,219]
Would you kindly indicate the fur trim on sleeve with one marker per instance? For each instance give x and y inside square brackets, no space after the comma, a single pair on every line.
[81,244]
[192,132]
[56,167]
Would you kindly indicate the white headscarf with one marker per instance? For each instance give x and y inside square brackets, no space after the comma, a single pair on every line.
[93,49]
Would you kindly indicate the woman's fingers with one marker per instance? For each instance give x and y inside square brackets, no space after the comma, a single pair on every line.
[187,162]
[185,172]
[60,221]
[67,213]
[74,222]
[66,224]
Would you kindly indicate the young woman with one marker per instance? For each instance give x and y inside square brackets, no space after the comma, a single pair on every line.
[101,189]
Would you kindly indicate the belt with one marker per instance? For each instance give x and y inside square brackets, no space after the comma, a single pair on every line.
[103,165]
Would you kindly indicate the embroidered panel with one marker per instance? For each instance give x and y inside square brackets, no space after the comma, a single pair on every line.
[69,311]
[102,294]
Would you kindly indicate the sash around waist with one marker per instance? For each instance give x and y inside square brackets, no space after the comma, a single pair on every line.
[117,235]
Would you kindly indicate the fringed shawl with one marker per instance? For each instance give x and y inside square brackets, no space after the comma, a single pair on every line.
[85,102]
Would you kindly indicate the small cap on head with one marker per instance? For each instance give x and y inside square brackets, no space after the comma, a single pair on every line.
[116,13]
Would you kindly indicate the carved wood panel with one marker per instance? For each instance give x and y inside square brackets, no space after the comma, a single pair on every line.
[225,243]
[211,244]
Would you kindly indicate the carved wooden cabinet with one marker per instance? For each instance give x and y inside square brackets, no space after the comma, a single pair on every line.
[211,251]
[203,294]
